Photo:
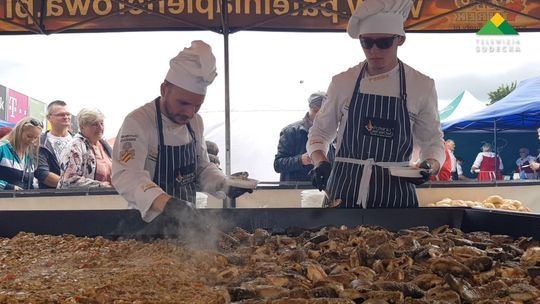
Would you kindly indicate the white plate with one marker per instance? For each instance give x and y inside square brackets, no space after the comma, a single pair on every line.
[241,182]
[406,171]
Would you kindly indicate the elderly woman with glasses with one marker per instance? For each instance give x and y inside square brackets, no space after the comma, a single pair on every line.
[86,162]
[19,155]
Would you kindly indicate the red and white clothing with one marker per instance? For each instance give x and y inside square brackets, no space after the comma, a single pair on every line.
[523,167]
[445,173]
[485,161]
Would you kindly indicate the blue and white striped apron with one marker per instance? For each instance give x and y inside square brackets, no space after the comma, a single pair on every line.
[376,135]
[175,170]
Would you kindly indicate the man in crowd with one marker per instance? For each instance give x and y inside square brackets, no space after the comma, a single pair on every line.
[52,144]
[451,146]
[292,160]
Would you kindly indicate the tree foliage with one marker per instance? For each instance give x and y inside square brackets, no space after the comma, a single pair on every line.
[501,92]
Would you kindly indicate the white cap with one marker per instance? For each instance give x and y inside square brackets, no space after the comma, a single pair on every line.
[379,17]
[194,68]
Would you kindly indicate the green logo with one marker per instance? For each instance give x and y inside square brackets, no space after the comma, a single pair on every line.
[497,26]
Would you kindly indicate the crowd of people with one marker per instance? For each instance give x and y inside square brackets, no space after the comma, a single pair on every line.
[57,158]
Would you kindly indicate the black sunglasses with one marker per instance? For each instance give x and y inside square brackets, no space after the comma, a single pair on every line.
[36,123]
[381,43]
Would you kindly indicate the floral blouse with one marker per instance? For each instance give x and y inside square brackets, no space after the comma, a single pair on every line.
[78,163]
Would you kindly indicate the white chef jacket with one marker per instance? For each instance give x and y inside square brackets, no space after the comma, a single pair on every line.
[135,152]
[421,104]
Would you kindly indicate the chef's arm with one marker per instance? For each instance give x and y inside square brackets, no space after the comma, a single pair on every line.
[318,156]
[129,176]
[159,203]
[427,131]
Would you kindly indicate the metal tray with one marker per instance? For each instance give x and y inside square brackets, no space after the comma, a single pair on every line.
[117,223]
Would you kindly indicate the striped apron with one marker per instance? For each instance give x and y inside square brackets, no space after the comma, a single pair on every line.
[175,170]
[175,173]
[375,135]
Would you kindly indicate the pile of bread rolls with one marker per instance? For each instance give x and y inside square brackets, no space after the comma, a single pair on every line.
[493,202]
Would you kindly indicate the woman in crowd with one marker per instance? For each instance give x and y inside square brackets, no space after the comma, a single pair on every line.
[18,155]
[486,166]
[86,162]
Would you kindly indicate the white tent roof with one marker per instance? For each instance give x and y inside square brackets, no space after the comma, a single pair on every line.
[464,104]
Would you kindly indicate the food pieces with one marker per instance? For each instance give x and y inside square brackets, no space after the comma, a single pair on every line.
[492,202]
[332,265]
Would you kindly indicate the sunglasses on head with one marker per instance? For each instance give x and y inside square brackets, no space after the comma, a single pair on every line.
[36,123]
[381,43]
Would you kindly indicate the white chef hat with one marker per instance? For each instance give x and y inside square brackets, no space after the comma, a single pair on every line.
[194,68]
[379,17]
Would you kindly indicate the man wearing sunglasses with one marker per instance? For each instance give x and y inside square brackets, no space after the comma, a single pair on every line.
[378,110]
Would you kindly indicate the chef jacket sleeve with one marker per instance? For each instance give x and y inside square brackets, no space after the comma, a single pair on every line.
[210,178]
[427,127]
[129,177]
[324,128]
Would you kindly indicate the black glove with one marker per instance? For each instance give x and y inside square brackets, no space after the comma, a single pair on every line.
[426,174]
[180,209]
[320,175]
[234,192]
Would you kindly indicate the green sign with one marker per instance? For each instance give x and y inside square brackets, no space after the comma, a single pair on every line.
[497,26]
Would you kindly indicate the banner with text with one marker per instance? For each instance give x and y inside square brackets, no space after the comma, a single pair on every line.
[17,106]
[37,109]
[3,103]
[51,16]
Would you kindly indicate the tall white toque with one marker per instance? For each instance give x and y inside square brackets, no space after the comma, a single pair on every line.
[194,68]
[379,17]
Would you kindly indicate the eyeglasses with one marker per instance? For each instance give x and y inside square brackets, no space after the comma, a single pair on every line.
[381,43]
[36,123]
[61,114]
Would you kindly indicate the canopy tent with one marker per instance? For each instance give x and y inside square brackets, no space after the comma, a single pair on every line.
[225,17]
[519,110]
[6,124]
[464,104]
[54,16]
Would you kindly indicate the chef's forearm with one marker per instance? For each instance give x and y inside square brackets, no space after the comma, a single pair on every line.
[159,202]
[318,156]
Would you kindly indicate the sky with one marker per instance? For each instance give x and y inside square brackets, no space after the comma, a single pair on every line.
[117,72]
[269,71]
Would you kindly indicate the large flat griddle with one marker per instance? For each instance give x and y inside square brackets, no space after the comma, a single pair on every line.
[119,223]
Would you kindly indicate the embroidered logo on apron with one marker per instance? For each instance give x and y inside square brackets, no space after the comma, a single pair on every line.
[185,175]
[378,127]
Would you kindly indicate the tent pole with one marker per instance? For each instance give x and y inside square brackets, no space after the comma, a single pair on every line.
[227,202]
[227,107]
[496,149]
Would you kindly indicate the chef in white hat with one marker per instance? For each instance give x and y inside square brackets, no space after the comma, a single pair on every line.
[378,109]
[160,153]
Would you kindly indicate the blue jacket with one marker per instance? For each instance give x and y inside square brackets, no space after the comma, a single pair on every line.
[292,144]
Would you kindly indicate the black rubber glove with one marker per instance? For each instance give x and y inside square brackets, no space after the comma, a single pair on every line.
[426,174]
[180,209]
[234,192]
[320,175]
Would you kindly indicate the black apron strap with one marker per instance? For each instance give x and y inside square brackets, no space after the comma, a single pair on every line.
[159,122]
